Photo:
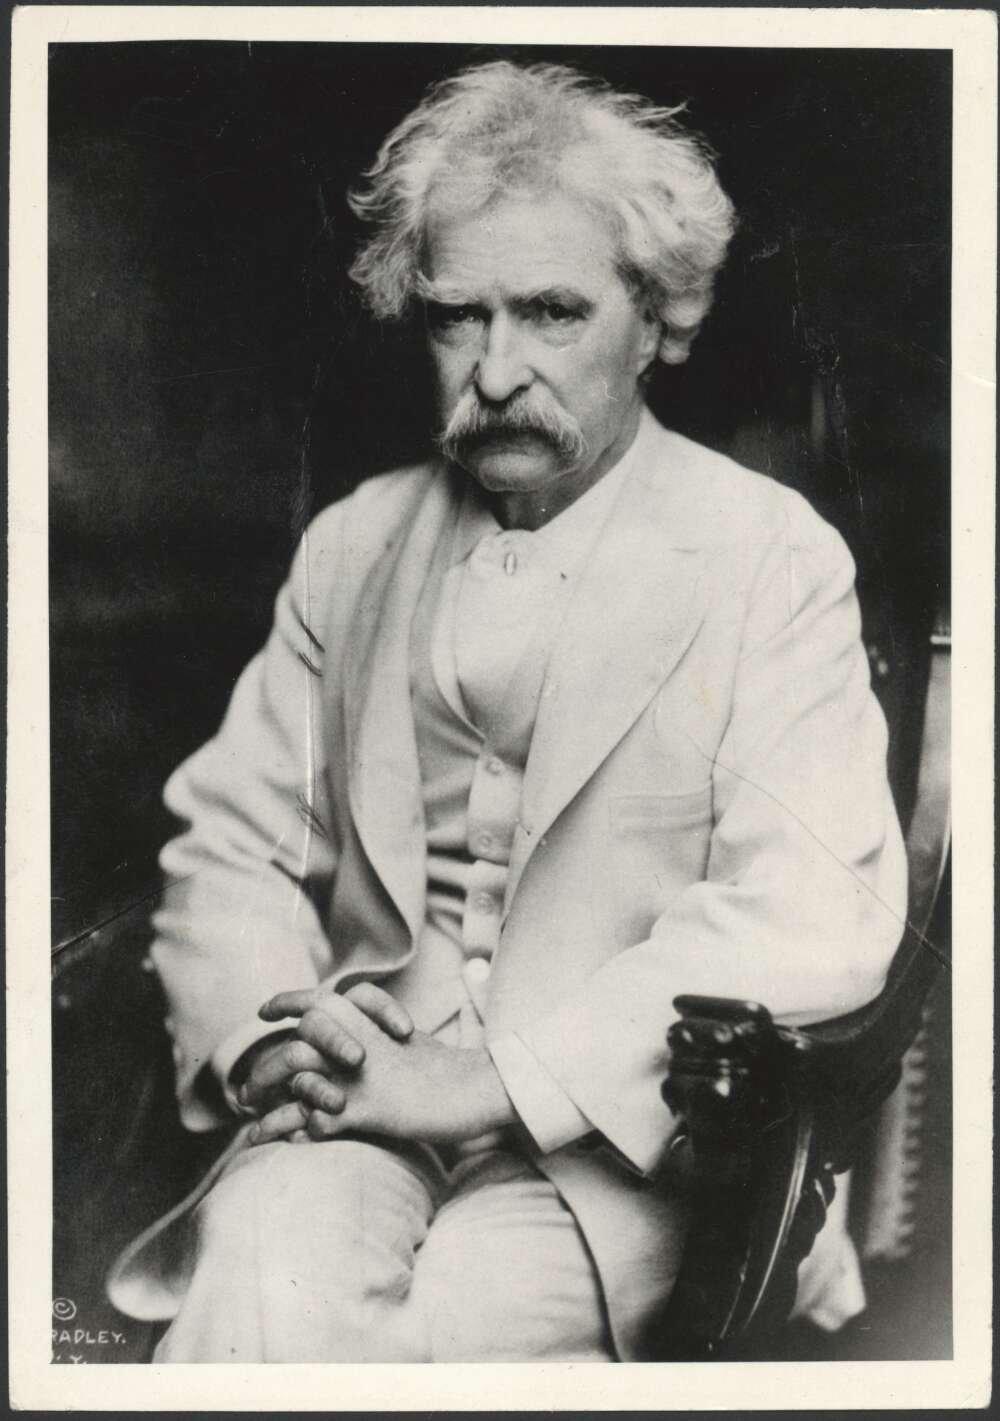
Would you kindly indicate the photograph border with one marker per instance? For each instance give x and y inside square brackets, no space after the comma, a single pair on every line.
[962,1382]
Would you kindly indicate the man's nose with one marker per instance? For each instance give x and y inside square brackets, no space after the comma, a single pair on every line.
[502,368]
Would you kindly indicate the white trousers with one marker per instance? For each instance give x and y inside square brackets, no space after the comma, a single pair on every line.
[346,1251]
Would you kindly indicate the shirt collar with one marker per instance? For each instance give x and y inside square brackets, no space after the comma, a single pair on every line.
[475,521]
[567,538]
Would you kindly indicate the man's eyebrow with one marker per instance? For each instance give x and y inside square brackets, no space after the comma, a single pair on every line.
[441,293]
[554,296]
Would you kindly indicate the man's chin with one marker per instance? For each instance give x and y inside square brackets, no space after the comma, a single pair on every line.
[522,465]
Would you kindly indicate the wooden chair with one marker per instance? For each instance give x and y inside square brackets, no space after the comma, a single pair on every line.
[771,1113]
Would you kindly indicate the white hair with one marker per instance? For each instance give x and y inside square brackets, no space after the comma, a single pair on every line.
[501,127]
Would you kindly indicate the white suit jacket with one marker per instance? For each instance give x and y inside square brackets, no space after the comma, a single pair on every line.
[705,809]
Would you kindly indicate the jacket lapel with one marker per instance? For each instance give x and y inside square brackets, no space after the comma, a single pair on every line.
[383,769]
[635,611]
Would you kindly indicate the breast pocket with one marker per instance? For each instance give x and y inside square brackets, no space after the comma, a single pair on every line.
[659,845]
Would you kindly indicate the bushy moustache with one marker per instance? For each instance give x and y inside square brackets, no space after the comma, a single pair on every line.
[473,423]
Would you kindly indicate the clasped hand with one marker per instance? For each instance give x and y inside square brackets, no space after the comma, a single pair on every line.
[356,1062]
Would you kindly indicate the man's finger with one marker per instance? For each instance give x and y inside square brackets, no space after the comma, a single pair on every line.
[279,1123]
[380,1007]
[319,1093]
[321,1126]
[327,1029]
[288,1004]
[277,1067]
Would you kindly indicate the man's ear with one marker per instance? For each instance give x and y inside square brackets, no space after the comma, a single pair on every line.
[649,341]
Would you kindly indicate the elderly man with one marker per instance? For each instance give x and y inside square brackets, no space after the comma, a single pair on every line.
[550,729]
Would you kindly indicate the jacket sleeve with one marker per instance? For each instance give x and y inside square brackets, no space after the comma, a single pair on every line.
[237,921]
[804,898]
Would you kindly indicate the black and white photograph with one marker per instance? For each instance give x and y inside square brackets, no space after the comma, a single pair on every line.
[501,540]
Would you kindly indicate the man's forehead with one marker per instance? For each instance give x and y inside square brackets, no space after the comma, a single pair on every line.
[517,248]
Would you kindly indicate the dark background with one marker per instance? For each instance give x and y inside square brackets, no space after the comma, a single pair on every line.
[213,382]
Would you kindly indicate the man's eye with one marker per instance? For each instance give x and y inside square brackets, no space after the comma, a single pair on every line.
[555,313]
[446,318]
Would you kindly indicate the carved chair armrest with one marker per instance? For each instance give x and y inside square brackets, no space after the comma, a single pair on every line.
[755,1163]
[769,1114]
